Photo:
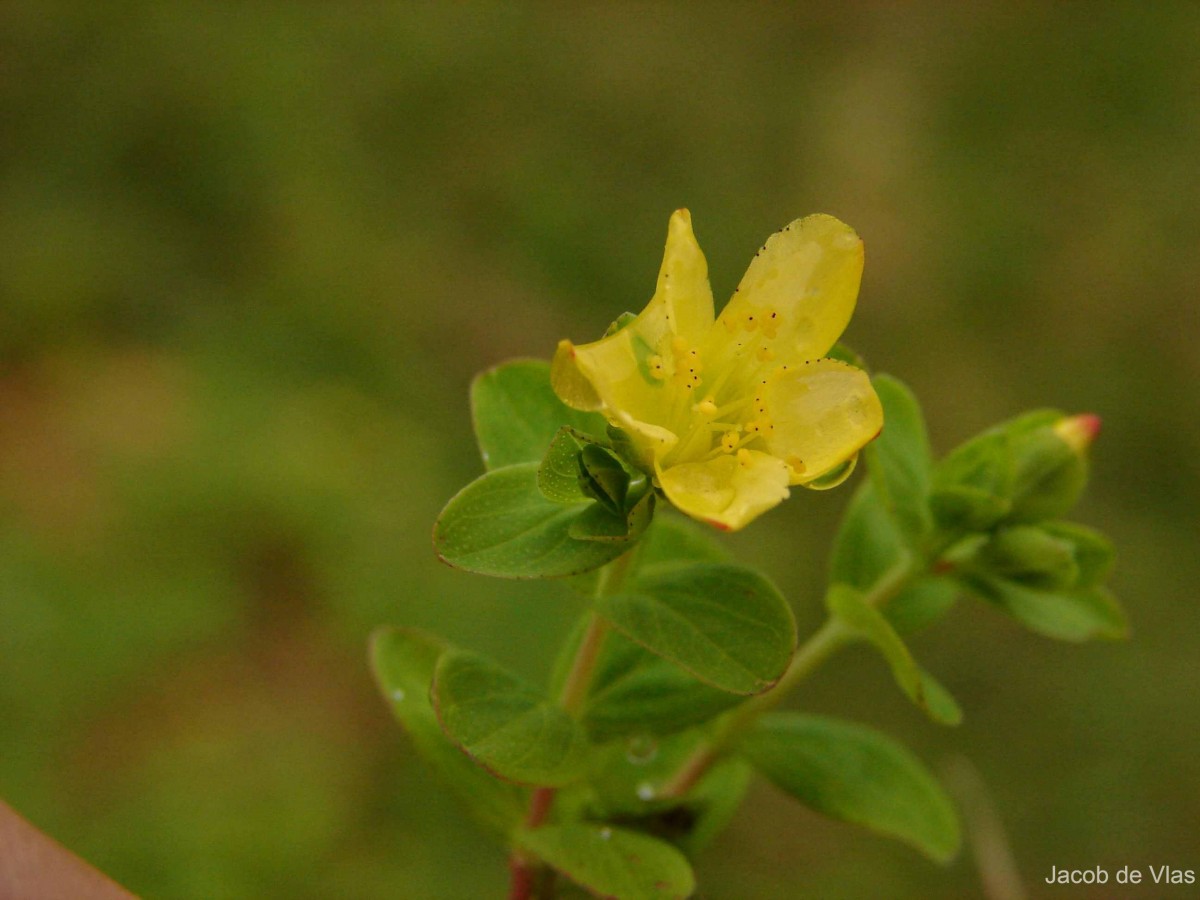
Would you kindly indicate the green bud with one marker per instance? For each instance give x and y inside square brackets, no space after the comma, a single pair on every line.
[623,446]
[1028,469]
[971,487]
[1030,555]
[604,477]
[1050,467]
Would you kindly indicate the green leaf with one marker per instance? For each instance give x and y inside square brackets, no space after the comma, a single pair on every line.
[516,413]
[403,660]
[606,479]
[500,524]
[856,774]
[867,543]
[504,724]
[899,461]
[921,603]
[596,523]
[612,862]
[939,702]
[558,473]
[725,624]
[635,692]
[1082,614]
[867,623]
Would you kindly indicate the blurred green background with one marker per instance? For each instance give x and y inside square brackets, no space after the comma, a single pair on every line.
[252,254]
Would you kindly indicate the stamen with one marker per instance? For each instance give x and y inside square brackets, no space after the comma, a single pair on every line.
[744,458]
[656,367]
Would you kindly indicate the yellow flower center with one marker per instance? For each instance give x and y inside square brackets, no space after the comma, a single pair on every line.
[718,403]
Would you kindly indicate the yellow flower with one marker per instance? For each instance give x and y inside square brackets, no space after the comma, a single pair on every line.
[728,413]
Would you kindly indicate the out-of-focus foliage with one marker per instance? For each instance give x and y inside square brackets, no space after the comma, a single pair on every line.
[253,254]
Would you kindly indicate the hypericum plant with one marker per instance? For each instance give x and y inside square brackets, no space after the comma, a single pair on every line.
[663,701]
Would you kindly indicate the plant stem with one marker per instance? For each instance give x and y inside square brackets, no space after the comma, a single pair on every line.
[827,640]
[575,688]
[574,692]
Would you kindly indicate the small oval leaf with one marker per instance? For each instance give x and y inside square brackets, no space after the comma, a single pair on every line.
[403,660]
[500,524]
[855,774]
[612,862]
[516,413]
[635,692]
[504,724]
[1082,614]
[899,461]
[867,623]
[725,624]
[558,472]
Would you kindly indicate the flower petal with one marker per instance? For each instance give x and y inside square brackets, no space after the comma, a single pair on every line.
[627,375]
[729,490]
[683,289]
[578,389]
[822,413]
[807,275]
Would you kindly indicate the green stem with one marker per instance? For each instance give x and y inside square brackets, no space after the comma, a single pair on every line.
[579,679]
[574,692]
[809,656]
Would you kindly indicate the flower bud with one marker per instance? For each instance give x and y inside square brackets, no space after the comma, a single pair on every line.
[1028,469]
[1049,466]
[1032,556]
[1078,431]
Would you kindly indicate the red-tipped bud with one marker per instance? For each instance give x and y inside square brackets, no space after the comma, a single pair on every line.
[1079,431]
